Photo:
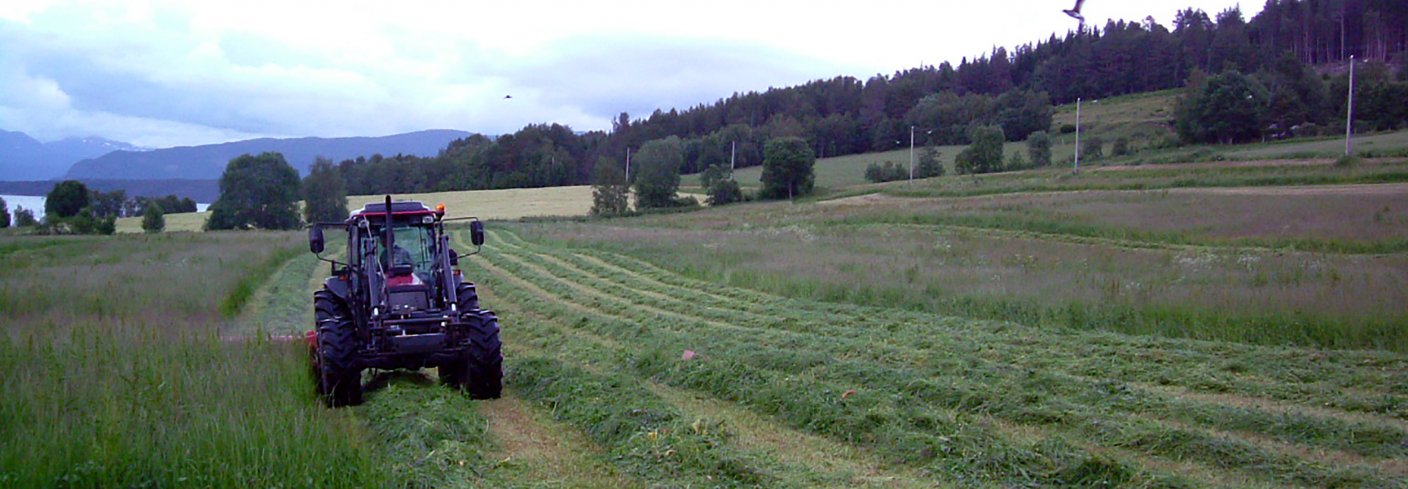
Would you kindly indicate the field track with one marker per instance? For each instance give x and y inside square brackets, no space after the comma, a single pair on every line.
[779,392]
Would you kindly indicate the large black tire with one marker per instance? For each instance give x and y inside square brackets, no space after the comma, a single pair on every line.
[338,374]
[467,298]
[480,369]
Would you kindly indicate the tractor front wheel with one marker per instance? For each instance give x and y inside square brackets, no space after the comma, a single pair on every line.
[480,368]
[338,375]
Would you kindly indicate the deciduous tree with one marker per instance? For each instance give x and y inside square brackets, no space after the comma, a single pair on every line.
[66,199]
[787,168]
[657,177]
[256,192]
[610,194]
[324,195]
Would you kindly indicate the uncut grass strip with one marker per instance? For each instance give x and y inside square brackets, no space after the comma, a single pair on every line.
[1196,373]
[1362,438]
[993,453]
[768,360]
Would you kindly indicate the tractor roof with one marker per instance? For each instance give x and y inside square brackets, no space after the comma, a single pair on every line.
[401,208]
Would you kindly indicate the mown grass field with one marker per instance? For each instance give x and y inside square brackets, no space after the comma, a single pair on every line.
[1207,324]
[787,392]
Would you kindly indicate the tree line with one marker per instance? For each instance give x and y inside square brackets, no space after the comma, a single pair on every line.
[1012,90]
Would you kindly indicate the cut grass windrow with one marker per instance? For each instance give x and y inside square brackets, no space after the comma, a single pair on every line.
[786,457]
[645,435]
[989,375]
[977,452]
[1357,382]
[1212,366]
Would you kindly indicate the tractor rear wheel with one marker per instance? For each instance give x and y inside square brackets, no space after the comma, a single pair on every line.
[338,374]
[479,368]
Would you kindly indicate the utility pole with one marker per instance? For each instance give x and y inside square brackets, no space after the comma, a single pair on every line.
[1077,134]
[1349,114]
[628,164]
[911,154]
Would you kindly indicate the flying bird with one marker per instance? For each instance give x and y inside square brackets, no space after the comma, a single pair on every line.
[1074,12]
[508,96]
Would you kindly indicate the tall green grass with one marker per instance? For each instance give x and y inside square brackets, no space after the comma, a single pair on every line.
[116,375]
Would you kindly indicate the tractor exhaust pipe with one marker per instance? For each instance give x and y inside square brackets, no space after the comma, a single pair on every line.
[390,256]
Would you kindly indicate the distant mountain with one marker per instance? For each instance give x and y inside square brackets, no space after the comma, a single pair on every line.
[208,161]
[25,158]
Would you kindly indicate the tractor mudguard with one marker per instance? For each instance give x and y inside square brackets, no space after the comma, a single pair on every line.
[339,287]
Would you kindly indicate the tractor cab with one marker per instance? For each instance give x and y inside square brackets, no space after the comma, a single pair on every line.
[409,267]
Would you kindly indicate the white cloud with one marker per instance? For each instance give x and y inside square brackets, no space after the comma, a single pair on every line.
[163,72]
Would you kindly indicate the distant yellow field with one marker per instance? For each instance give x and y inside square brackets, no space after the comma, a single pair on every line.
[186,221]
[499,204]
[484,204]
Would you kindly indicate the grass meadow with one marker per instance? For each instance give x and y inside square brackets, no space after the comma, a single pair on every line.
[116,374]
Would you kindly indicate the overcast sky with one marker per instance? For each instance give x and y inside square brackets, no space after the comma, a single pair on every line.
[161,74]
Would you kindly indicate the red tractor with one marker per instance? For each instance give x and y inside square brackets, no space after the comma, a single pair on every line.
[400,302]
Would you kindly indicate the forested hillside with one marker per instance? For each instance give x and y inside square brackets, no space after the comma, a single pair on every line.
[1296,48]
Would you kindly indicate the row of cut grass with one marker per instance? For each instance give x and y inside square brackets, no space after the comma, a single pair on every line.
[1144,428]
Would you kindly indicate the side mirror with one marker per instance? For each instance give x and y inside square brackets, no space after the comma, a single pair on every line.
[476,233]
[315,239]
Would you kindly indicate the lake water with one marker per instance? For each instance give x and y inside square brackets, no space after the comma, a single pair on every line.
[36,203]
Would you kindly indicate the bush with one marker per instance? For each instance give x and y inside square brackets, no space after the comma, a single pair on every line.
[1092,148]
[24,218]
[888,172]
[4,214]
[724,192]
[1039,149]
[85,222]
[1068,128]
[153,219]
[1121,146]
[985,154]
[929,164]
[611,196]
[1015,161]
